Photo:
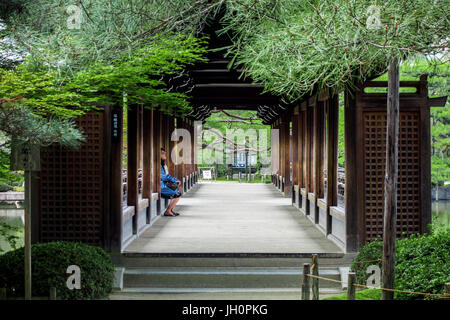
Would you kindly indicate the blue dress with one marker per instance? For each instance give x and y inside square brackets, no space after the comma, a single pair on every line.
[166,192]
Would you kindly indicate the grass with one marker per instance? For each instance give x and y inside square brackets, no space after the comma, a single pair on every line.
[367,294]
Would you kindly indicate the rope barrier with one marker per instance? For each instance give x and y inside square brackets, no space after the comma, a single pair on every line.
[385,289]
[343,262]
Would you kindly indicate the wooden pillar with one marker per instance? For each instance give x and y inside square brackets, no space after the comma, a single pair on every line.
[309,126]
[192,153]
[172,144]
[147,160]
[183,165]
[425,159]
[133,161]
[178,167]
[157,157]
[281,155]
[295,153]
[286,172]
[352,220]
[113,187]
[318,147]
[332,155]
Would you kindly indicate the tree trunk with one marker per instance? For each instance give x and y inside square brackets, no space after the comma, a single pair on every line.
[390,190]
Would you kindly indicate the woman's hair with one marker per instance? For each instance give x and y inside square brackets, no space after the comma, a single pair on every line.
[163,162]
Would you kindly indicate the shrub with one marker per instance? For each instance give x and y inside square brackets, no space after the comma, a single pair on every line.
[421,263]
[49,265]
[371,251]
[4,187]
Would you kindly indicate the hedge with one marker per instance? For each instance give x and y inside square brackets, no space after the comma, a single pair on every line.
[49,266]
[422,263]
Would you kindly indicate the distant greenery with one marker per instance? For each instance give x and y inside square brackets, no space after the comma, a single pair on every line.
[241,123]
[257,179]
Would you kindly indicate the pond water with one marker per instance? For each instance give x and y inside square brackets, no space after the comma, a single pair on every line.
[441,212]
[17,224]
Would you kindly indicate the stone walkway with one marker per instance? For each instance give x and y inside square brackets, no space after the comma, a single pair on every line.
[223,217]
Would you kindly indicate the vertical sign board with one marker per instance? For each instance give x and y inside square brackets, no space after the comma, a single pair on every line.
[26,157]
[115,116]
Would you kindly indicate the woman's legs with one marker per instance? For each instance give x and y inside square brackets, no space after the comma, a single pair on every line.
[172,204]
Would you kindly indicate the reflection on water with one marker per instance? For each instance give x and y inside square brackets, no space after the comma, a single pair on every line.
[441,212]
[17,224]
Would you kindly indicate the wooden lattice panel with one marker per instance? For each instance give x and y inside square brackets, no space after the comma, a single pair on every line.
[408,201]
[72,188]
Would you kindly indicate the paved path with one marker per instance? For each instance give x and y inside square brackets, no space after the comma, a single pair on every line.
[233,218]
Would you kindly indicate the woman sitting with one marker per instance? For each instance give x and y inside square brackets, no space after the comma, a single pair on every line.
[166,192]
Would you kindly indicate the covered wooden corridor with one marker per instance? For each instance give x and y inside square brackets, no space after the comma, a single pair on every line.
[232,218]
[108,193]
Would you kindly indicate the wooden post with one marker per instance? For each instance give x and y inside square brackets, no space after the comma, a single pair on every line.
[306,281]
[315,281]
[116,188]
[390,190]
[27,235]
[286,173]
[446,291]
[352,215]
[157,158]
[2,293]
[351,286]
[147,161]
[332,155]
[133,161]
[295,157]
[53,293]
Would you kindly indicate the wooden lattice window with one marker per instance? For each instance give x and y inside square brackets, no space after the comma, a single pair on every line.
[72,188]
[408,201]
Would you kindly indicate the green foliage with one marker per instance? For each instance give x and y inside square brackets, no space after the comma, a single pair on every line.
[108,30]
[421,263]
[369,252]
[5,187]
[242,123]
[440,170]
[293,47]
[7,178]
[49,265]
[368,294]
[140,77]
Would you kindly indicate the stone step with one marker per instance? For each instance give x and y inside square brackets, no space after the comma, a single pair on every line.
[216,294]
[225,278]
[223,260]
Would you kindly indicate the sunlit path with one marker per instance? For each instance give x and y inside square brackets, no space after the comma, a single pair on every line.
[233,218]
